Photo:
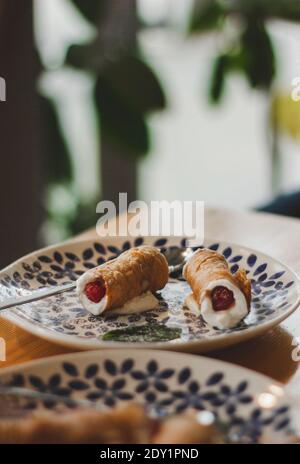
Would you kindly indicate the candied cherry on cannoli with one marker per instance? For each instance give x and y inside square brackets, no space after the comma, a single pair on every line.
[95,291]
[222,298]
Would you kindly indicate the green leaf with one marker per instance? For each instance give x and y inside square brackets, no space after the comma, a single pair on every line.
[131,79]
[260,65]
[92,10]
[135,84]
[284,9]
[80,56]
[57,160]
[124,126]
[217,82]
[264,9]
[206,15]
[84,217]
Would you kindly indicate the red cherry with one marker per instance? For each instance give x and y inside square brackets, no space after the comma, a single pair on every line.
[95,291]
[222,298]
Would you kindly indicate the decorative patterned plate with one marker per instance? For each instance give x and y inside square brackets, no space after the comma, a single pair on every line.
[246,402]
[61,319]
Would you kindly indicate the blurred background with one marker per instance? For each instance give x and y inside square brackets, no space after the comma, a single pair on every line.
[163,99]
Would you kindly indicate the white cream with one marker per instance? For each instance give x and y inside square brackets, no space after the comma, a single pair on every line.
[139,304]
[221,319]
[144,302]
[94,308]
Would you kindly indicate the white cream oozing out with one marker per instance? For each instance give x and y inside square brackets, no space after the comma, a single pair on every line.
[221,319]
[95,308]
[144,302]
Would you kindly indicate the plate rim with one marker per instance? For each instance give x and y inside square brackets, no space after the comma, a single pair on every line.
[202,366]
[223,340]
[123,352]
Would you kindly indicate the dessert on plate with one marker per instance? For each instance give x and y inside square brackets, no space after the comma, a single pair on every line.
[128,424]
[126,284]
[222,298]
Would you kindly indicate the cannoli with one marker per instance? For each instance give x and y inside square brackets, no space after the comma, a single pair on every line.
[123,424]
[125,284]
[222,297]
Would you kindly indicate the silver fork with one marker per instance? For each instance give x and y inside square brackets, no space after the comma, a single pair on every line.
[7,392]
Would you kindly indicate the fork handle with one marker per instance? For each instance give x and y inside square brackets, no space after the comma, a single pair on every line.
[36,295]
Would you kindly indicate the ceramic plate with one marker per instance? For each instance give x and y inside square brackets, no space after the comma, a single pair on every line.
[167,383]
[61,318]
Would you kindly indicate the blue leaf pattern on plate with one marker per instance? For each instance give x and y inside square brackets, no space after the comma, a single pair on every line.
[162,388]
[274,290]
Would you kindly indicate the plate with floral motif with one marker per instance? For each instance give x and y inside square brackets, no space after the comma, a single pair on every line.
[62,319]
[248,404]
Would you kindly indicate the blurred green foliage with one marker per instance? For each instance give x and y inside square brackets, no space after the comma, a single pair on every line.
[125,91]
[248,47]
[56,156]
[126,88]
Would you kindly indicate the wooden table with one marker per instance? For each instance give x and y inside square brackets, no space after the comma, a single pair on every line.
[270,353]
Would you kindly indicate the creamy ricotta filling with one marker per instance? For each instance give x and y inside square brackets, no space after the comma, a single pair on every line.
[225,319]
[145,302]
